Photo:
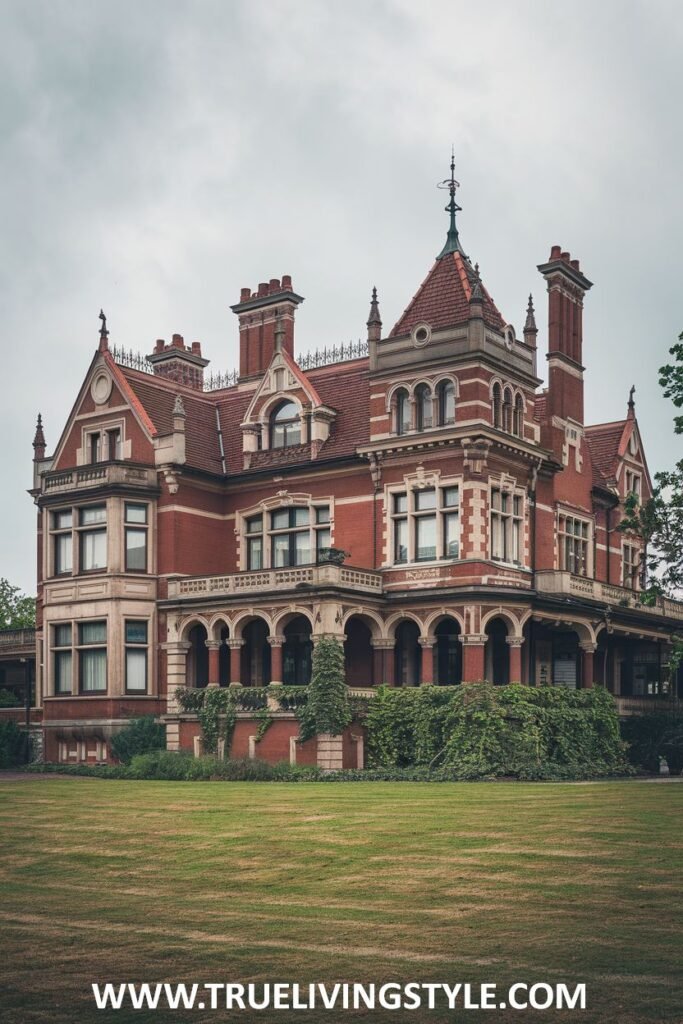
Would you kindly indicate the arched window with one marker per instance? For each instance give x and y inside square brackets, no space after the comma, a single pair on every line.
[497,406]
[446,398]
[423,399]
[402,411]
[507,410]
[285,426]
[518,417]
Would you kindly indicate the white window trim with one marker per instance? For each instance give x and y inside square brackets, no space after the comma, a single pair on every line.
[410,485]
[570,513]
[508,485]
[269,505]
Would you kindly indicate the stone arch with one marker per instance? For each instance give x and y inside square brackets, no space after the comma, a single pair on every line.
[507,616]
[245,617]
[450,378]
[272,403]
[394,620]
[436,617]
[374,622]
[391,393]
[217,623]
[361,664]
[187,624]
[283,617]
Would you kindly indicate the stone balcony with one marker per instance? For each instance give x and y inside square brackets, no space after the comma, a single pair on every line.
[100,474]
[565,584]
[344,577]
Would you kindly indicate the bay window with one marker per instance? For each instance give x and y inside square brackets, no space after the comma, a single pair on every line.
[573,536]
[135,517]
[92,522]
[92,657]
[136,645]
[62,523]
[62,659]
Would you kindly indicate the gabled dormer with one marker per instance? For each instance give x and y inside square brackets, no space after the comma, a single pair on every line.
[286,414]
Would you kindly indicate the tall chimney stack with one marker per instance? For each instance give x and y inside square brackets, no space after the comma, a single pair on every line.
[263,314]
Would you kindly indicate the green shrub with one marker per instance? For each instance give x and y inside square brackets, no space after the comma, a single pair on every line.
[654,735]
[9,699]
[13,745]
[480,731]
[140,736]
[160,764]
[327,709]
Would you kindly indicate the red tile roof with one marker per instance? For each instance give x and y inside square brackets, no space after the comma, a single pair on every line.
[603,443]
[442,299]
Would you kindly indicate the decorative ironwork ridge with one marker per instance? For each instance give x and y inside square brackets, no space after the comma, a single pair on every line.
[336,354]
[218,381]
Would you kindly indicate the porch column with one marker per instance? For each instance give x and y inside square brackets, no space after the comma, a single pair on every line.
[276,672]
[214,656]
[383,664]
[473,657]
[176,675]
[427,644]
[587,653]
[515,651]
[235,661]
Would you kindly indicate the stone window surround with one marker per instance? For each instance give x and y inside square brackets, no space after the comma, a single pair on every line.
[411,389]
[508,485]
[283,499]
[116,541]
[411,483]
[102,430]
[570,513]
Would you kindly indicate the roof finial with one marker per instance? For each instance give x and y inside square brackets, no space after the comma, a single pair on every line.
[476,295]
[452,240]
[374,323]
[631,401]
[104,333]
[39,439]
[530,324]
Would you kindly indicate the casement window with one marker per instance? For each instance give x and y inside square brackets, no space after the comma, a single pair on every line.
[507,511]
[630,566]
[135,530]
[518,417]
[62,659]
[136,643]
[573,542]
[425,525]
[284,537]
[633,484]
[104,445]
[497,406]
[285,425]
[62,542]
[92,657]
[92,530]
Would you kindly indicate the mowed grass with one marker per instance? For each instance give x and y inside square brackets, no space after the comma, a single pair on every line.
[152,881]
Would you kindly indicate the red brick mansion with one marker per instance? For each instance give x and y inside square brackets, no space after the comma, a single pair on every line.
[416,496]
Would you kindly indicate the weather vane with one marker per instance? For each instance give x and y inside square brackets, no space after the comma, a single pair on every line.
[452,240]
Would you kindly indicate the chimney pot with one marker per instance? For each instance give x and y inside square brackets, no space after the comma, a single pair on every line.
[565,256]
[177,341]
[575,264]
[286,283]
[555,252]
[262,289]
[245,294]
[274,286]
[196,348]
[159,346]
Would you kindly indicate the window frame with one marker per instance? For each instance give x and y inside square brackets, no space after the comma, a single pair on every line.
[318,527]
[136,646]
[135,527]
[407,515]
[510,528]
[291,424]
[569,540]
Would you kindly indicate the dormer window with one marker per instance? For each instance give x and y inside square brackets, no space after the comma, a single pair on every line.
[285,426]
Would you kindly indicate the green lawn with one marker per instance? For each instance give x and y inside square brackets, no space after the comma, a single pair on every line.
[154,881]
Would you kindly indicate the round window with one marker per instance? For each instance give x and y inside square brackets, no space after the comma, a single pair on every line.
[421,334]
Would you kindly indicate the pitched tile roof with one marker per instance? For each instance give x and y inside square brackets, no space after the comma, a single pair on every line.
[442,299]
[603,443]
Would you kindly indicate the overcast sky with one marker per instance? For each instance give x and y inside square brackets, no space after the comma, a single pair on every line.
[158,156]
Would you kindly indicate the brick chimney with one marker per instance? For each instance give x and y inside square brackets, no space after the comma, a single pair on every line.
[259,313]
[179,362]
[567,287]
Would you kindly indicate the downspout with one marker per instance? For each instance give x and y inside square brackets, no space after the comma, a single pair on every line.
[608,530]
[376,475]
[532,631]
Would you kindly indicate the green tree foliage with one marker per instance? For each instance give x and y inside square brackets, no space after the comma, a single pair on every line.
[17,611]
[659,520]
[327,709]
[657,734]
[482,731]
[13,742]
[140,736]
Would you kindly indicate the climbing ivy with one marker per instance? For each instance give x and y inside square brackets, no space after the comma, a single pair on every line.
[217,708]
[327,709]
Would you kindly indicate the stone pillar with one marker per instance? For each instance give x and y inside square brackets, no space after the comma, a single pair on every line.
[515,651]
[235,661]
[176,675]
[473,657]
[214,661]
[276,672]
[427,643]
[588,651]
[383,658]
